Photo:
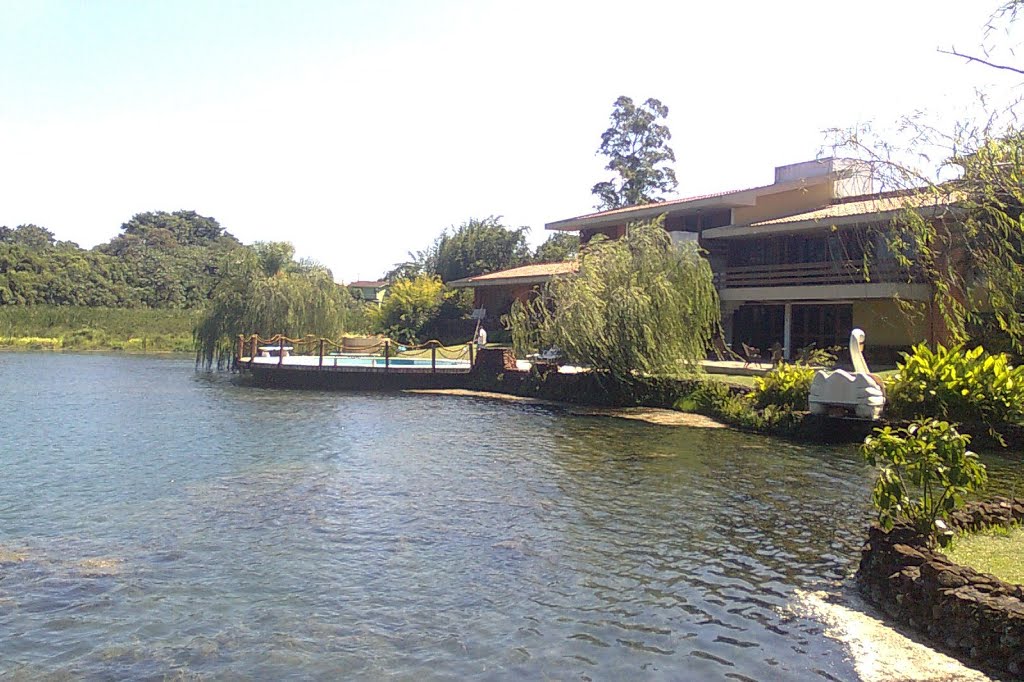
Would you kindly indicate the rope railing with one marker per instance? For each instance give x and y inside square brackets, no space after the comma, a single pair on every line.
[254,345]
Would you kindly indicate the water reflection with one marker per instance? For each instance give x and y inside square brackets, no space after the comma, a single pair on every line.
[155,521]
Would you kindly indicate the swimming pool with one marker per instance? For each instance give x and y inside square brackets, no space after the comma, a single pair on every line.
[361,361]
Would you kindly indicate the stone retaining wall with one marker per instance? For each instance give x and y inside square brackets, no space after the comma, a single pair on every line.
[495,370]
[974,615]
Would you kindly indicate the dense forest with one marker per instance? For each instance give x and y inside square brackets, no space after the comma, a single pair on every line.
[159,260]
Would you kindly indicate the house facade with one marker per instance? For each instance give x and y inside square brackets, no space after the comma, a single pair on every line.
[365,290]
[788,259]
[496,291]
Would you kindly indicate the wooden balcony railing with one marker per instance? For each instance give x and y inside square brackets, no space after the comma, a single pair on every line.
[811,274]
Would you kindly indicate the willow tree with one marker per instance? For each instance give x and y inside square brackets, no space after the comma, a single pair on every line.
[636,306]
[265,291]
[962,223]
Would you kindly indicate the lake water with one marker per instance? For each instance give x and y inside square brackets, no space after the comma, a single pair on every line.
[156,521]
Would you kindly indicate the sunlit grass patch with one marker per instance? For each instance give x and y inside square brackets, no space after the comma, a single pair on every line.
[734,379]
[30,342]
[998,550]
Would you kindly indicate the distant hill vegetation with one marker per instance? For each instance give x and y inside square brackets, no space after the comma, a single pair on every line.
[159,260]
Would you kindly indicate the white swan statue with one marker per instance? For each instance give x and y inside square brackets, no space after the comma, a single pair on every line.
[840,391]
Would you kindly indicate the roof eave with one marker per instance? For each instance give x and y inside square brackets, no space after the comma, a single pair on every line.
[471,283]
[759,230]
[737,199]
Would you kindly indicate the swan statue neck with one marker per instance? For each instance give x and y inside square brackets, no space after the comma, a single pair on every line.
[856,355]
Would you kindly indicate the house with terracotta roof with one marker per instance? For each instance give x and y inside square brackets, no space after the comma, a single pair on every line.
[788,258]
[367,290]
[496,291]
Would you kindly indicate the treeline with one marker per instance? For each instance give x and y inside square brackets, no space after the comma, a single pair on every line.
[159,260]
[183,261]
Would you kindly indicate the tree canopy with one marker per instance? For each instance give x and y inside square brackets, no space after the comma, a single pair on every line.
[184,228]
[636,145]
[476,247]
[560,246]
[636,305]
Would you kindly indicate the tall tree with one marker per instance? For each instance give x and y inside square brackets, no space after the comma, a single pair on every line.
[637,148]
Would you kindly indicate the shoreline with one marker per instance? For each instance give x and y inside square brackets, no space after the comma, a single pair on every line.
[651,415]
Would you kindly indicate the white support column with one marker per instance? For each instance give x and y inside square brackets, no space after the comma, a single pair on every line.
[787,332]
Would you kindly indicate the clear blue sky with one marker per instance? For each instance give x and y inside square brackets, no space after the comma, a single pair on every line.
[359,130]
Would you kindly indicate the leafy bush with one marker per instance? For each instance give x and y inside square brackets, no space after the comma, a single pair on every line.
[715,399]
[926,471]
[87,338]
[413,311]
[969,386]
[818,357]
[785,386]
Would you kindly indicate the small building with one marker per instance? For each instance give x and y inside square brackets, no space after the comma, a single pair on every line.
[364,290]
[496,291]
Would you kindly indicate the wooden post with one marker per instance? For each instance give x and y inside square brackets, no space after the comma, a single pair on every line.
[321,353]
[433,357]
[280,351]
[241,348]
[387,354]
[255,343]
[470,353]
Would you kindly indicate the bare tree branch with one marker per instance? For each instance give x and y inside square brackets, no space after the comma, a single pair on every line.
[969,58]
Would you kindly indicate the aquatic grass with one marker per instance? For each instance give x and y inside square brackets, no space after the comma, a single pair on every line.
[998,550]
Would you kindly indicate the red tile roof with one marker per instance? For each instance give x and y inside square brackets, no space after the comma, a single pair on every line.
[366,284]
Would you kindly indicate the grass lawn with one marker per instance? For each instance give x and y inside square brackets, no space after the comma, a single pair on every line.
[734,379]
[997,551]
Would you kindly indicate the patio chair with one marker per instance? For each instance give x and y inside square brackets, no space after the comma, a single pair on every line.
[750,354]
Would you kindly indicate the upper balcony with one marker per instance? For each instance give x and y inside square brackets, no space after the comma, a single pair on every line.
[814,274]
[826,280]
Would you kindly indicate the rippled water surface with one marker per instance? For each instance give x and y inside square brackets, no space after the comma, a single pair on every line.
[155,522]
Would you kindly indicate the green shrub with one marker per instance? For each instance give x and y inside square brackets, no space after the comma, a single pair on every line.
[785,386]
[926,471]
[86,338]
[715,399]
[818,357]
[969,386]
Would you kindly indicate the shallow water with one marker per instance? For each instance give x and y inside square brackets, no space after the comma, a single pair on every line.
[155,522]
